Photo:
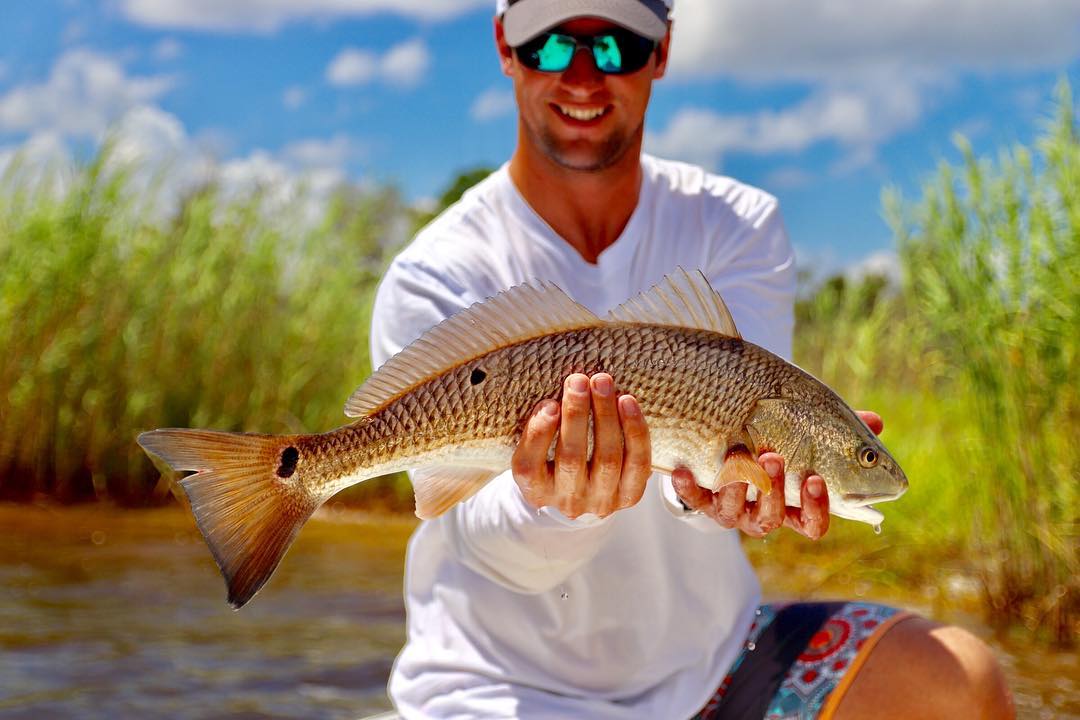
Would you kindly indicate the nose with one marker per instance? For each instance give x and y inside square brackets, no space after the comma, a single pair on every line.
[583,70]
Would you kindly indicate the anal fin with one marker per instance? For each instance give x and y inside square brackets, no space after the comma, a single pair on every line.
[438,489]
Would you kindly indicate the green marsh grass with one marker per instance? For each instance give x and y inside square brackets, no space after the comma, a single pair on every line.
[230,314]
[974,365]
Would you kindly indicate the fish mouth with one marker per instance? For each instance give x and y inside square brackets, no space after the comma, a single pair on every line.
[864,499]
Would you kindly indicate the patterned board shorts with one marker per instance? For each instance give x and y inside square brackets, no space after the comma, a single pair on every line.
[817,680]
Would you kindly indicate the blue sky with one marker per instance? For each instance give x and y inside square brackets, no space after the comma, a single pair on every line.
[822,102]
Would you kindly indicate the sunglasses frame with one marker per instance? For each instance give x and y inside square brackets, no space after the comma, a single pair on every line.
[589,43]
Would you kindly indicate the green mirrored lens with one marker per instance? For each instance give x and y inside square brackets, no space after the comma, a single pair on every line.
[556,53]
[608,56]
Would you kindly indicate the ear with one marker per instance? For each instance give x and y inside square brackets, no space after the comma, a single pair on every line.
[506,54]
[662,54]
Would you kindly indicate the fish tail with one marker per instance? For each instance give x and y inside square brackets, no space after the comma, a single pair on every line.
[245,496]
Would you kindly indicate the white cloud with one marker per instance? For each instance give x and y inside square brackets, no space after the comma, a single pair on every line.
[269,15]
[882,263]
[321,154]
[294,97]
[167,49]
[42,161]
[779,39]
[163,164]
[352,67]
[85,93]
[403,65]
[856,117]
[492,103]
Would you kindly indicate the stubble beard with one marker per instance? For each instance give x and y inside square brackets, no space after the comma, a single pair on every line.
[599,157]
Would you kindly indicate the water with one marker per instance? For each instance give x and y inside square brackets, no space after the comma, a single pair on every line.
[110,614]
[123,614]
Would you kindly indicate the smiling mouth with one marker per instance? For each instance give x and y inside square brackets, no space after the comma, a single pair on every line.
[581,114]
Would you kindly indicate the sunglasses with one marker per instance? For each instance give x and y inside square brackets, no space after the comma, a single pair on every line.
[616,51]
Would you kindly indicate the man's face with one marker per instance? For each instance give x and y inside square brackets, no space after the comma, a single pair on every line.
[581,118]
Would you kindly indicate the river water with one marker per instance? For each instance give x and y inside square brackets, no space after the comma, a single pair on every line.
[122,614]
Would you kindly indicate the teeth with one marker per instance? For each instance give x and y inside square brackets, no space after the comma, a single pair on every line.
[581,113]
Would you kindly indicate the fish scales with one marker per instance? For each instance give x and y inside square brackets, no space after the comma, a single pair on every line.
[684,378]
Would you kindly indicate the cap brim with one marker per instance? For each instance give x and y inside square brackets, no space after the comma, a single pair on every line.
[525,20]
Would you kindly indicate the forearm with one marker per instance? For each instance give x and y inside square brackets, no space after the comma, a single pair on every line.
[500,536]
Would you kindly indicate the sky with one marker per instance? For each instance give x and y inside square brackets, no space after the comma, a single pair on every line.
[821,102]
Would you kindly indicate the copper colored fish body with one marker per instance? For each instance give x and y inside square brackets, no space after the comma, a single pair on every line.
[453,404]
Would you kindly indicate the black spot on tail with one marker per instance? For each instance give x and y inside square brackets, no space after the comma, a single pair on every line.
[477,376]
[289,458]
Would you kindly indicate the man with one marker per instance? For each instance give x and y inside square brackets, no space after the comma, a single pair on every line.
[593,589]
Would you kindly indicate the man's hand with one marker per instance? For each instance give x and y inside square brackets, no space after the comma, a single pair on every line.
[729,506]
[622,455]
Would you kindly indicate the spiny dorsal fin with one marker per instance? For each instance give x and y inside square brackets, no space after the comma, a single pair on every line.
[521,313]
[681,298]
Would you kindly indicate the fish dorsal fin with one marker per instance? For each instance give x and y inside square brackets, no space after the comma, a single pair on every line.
[521,313]
[681,298]
[439,488]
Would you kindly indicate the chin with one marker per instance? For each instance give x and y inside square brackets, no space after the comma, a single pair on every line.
[595,157]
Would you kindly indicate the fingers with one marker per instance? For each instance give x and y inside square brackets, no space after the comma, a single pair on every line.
[529,464]
[607,459]
[812,519]
[571,451]
[872,420]
[618,471]
[693,495]
[637,459]
[729,503]
[767,514]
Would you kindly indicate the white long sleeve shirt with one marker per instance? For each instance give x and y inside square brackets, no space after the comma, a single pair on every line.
[515,612]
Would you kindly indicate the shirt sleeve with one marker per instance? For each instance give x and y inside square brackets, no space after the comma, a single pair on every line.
[495,533]
[753,269]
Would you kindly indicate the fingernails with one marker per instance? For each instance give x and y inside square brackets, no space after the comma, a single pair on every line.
[601,385]
[815,487]
[629,407]
[550,408]
[577,383]
[772,467]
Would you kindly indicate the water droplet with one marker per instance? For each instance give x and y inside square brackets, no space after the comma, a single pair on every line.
[751,646]
[565,595]
[877,529]
[97,537]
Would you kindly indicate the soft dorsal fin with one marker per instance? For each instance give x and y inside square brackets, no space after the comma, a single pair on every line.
[681,298]
[521,313]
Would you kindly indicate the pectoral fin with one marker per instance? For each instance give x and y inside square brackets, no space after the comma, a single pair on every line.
[438,489]
[740,466]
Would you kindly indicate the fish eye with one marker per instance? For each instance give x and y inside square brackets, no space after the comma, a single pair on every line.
[868,456]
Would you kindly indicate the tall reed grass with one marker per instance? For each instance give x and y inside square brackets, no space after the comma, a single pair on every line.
[974,363]
[230,315]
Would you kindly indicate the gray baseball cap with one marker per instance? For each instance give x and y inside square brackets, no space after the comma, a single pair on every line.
[525,19]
